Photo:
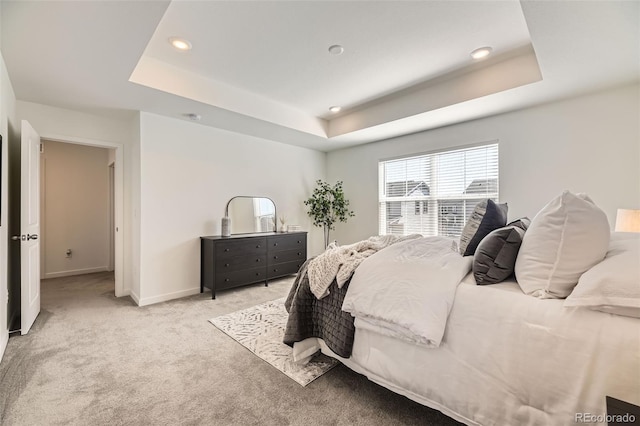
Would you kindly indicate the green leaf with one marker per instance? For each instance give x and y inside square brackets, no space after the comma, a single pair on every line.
[328,204]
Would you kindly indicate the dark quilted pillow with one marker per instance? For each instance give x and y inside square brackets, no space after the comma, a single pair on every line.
[495,257]
[486,216]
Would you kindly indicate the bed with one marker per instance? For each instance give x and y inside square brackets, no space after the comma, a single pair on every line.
[504,357]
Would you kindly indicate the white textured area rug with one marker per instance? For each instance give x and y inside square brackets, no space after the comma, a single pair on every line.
[261,330]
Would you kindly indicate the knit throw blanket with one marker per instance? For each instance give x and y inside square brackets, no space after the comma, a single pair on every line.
[340,262]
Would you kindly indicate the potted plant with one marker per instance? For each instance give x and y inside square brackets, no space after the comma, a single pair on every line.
[327,205]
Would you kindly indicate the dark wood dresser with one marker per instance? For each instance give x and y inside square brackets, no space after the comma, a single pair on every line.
[228,262]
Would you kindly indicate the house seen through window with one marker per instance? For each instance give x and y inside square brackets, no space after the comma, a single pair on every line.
[434,194]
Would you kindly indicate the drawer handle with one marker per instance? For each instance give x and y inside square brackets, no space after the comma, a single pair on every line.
[226,280]
[275,270]
[275,244]
[299,253]
[258,246]
[257,273]
[226,264]
[275,257]
[226,249]
[257,260]
[299,241]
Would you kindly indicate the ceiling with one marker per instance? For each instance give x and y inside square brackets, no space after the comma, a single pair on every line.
[263,68]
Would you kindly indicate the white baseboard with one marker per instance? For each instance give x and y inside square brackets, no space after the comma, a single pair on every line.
[135,297]
[74,272]
[167,296]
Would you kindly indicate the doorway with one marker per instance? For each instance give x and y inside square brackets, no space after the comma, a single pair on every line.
[76,224]
[114,212]
[117,150]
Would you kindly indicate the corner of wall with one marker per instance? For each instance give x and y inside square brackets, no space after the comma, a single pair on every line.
[134,296]
[133,225]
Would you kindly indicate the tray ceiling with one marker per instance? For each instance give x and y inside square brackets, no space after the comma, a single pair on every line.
[264,68]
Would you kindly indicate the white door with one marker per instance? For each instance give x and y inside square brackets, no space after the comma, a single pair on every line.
[29,227]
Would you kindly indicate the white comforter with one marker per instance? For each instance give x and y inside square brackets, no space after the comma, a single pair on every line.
[339,262]
[510,359]
[407,290]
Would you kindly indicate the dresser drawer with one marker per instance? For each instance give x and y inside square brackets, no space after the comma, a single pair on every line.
[237,260]
[237,278]
[287,256]
[282,269]
[287,242]
[226,264]
[249,247]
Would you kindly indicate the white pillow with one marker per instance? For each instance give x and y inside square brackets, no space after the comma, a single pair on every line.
[619,236]
[566,238]
[613,285]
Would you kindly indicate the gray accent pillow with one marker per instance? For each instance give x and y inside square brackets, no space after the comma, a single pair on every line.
[486,216]
[495,257]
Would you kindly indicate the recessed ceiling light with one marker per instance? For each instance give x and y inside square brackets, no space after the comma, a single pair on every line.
[335,109]
[336,49]
[180,43]
[193,116]
[481,52]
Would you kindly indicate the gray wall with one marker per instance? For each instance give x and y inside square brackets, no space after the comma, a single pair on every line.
[75,211]
[588,144]
[188,173]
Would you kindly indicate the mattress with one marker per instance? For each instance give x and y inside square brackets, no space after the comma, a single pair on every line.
[509,359]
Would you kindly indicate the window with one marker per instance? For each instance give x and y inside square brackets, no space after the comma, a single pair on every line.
[434,194]
[422,207]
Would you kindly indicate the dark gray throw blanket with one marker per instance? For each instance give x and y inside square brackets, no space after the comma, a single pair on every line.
[323,318]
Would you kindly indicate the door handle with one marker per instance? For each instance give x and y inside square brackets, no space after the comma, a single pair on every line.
[24,237]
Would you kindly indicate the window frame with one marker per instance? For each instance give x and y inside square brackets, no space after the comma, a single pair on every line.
[432,203]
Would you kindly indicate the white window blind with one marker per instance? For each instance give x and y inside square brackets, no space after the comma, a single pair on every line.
[434,194]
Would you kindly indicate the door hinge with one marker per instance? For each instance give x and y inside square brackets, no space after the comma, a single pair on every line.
[41,148]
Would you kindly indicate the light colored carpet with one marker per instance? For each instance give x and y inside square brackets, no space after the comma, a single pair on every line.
[95,359]
[261,330]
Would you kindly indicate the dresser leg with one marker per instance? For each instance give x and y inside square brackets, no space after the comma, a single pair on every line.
[213,295]
[266,283]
